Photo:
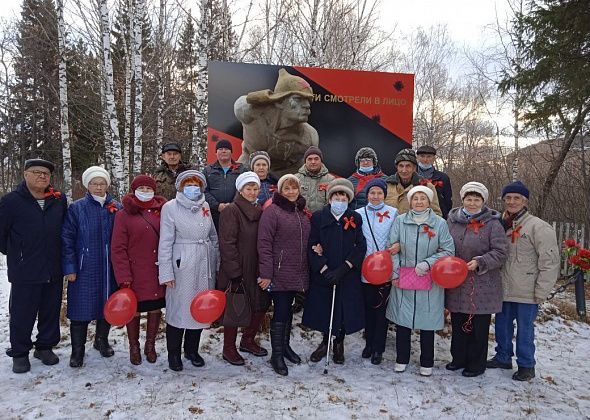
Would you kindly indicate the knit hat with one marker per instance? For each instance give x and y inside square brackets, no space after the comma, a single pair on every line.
[95,172]
[143,181]
[283,179]
[188,174]
[406,155]
[377,182]
[474,187]
[341,185]
[223,143]
[245,178]
[287,85]
[422,189]
[312,150]
[516,187]
[39,162]
[171,147]
[426,150]
[365,153]
[260,154]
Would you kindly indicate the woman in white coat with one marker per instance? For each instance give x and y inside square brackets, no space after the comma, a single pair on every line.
[188,260]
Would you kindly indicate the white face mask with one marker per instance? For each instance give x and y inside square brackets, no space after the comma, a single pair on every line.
[338,207]
[144,196]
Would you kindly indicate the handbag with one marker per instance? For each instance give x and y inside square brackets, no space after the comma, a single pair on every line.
[238,312]
[409,280]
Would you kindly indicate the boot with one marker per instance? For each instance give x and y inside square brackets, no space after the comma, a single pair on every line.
[133,337]
[338,351]
[248,343]
[174,344]
[192,338]
[321,351]
[230,354]
[277,342]
[494,363]
[153,323]
[289,353]
[21,364]
[367,351]
[524,374]
[101,338]
[47,356]
[78,332]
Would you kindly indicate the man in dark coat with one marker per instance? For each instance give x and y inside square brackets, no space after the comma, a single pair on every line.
[30,236]
[171,166]
[426,156]
[336,262]
[221,179]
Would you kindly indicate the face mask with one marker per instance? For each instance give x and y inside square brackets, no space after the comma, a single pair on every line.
[144,196]
[366,169]
[468,213]
[376,206]
[424,165]
[192,192]
[338,207]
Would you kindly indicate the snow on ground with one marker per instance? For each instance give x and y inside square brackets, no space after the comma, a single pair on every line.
[113,388]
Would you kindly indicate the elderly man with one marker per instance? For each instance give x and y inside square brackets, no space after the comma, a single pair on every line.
[527,278]
[404,180]
[171,166]
[30,236]
[426,156]
[314,179]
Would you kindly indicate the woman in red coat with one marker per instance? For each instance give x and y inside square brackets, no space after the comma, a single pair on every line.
[134,249]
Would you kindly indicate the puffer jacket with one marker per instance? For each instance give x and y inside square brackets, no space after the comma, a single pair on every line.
[359,180]
[397,195]
[533,260]
[314,187]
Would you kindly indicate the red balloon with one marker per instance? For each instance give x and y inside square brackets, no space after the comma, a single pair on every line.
[267,203]
[121,307]
[208,305]
[449,272]
[377,267]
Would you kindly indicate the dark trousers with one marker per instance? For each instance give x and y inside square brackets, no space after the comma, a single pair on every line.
[282,302]
[376,324]
[30,302]
[469,342]
[174,339]
[403,341]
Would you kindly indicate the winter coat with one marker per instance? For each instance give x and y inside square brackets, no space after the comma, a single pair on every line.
[482,238]
[444,190]
[283,233]
[188,254]
[397,195]
[267,188]
[86,251]
[221,186]
[238,238]
[419,309]
[30,237]
[134,247]
[359,180]
[533,260]
[166,179]
[314,187]
[380,222]
[342,240]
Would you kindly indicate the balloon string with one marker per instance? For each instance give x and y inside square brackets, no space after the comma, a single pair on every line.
[467,326]
[382,298]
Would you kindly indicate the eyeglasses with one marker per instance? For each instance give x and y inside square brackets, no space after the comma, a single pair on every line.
[366,160]
[98,184]
[40,174]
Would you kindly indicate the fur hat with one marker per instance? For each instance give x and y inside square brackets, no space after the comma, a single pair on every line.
[406,155]
[187,174]
[287,85]
[260,154]
[39,162]
[283,179]
[516,187]
[95,172]
[312,150]
[245,178]
[223,143]
[422,189]
[377,182]
[143,181]
[474,187]
[341,185]
[365,153]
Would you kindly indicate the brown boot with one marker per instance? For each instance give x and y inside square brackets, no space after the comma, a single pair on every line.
[133,336]
[230,354]
[153,323]
[248,343]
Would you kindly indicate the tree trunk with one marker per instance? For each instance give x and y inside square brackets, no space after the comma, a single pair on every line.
[138,13]
[127,99]
[199,143]
[160,80]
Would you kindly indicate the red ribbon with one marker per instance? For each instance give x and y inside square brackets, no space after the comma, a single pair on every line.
[235,166]
[52,193]
[349,222]
[430,232]
[307,212]
[515,234]
[475,225]
[272,188]
[205,211]
[111,207]
[426,181]
[382,215]
[323,187]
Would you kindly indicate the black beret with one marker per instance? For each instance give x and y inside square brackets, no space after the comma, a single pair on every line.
[39,162]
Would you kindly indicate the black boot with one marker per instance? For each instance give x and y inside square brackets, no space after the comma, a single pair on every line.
[321,351]
[174,346]
[21,364]
[78,332]
[338,356]
[192,338]
[277,342]
[47,356]
[290,355]
[524,374]
[101,338]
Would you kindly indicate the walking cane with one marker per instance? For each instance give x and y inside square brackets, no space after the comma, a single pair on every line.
[330,330]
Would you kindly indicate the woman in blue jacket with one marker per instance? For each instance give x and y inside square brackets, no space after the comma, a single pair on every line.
[86,262]
[423,238]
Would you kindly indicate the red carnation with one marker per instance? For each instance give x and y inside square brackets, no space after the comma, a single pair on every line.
[570,243]
[584,253]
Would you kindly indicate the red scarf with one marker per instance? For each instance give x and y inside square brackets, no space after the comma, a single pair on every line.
[363,179]
[426,181]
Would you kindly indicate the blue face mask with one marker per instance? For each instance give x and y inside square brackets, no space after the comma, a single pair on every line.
[366,169]
[338,207]
[192,192]
[376,206]
[424,165]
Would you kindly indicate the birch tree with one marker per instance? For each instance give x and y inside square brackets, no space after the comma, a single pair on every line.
[199,140]
[138,13]
[160,78]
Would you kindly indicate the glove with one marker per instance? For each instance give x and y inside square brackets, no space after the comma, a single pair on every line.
[422,268]
[335,276]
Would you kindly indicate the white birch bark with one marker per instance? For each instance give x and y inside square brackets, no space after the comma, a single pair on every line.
[127,99]
[63,102]
[138,12]
[160,80]
[199,141]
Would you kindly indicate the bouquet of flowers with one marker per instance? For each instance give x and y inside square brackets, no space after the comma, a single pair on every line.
[576,255]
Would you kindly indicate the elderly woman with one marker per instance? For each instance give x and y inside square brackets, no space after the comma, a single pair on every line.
[238,236]
[282,260]
[260,164]
[378,220]
[134,250]
[86,262]
[367,168]
[416,302]
[336,251]
[188,260]
[480,240]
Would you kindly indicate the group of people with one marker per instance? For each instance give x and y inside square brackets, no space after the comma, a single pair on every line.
[235,228]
